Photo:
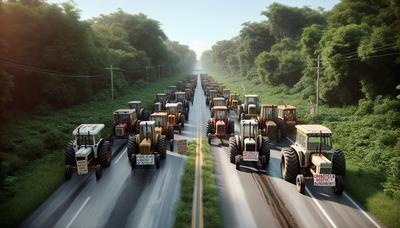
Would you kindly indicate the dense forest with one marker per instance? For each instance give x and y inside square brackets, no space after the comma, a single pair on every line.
[357,45]
[49,58]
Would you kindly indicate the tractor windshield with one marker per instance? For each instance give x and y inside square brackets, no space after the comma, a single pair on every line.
[146,131]
[180,97]
[252,100]
[268,113]
[134,106]
[290,114]
[219,102]
[122,118]
[219,115]
[160,121]
[250,131]
[82,140]
[173,110]
[314,142]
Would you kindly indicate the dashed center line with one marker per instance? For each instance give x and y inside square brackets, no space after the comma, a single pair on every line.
[120,156]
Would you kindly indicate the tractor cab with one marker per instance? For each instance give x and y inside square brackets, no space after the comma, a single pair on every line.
[180,86]
[161,97]
[226,93]
[287,113]
[137,105]
[268,112]
[251,102]
[249,134]
[123,120]
[218,101]
[313,138]
[180,97]
[219,112]
[160,119]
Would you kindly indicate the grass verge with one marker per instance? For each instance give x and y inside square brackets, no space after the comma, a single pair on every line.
[183,212]
[362,138]
[33,146]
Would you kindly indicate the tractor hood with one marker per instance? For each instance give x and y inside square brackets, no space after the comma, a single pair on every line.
[252,109]
[83,152]
[145,146]
[249,144]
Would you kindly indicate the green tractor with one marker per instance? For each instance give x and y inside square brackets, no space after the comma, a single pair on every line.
[312,157]
[250,108]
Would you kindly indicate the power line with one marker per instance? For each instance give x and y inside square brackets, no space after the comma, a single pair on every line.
[359,58]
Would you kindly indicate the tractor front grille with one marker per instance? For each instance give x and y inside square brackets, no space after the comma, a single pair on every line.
[119,131]
[220,129]
[250,147]
[325,170]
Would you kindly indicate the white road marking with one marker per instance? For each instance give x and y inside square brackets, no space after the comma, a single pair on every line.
[362,211]
[320,207]
[79,211]
[120,156]
[176,154]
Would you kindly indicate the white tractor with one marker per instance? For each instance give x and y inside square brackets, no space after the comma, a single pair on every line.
[312,157]
[249,146]
[87,151]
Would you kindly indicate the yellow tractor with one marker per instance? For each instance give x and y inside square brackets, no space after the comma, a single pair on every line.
[162,125]
[233,101]
[147,147]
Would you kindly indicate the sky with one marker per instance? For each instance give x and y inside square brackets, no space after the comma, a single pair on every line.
[197,23]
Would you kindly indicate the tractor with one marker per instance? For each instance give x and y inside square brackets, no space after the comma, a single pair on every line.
[161,123]
[175,117]
[233,101]
[180,97]
[287,120]
[125,124]
[250,108]
[180,86]
[141,114]
[170,92]
[249,146]
[159,102]
[147,147]
[219,124]
[312,157]
[87,151]
[217,101]
[267,122]
[189,94]
[211,94]
[226,94]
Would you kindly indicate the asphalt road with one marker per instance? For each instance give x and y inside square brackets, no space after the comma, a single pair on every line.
[121,198]
[251,199]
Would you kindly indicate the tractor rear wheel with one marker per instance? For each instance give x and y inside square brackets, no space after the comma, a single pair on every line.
[339,185]
[162,147]
[263,162]
[131,146]
[137,127]
[182,120]
[70,154]
[233,149]
[104,154]
[289,165]
[265,148]
[338,163]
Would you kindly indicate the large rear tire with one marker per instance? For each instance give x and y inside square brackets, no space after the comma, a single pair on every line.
[98,172]
[137,127]
[289,165]
[338,163]
[105,154]
[131,146]
[162,147]
[70,154]
[67,172]
[265,148]
[233,149]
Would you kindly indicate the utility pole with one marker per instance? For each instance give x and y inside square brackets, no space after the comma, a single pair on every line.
[111,68]
[318,69]
[147,72]
[159,71]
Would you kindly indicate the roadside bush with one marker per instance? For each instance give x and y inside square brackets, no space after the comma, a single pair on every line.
[31,149]
[388,139]
[365,107]
[386,105]
[54,139]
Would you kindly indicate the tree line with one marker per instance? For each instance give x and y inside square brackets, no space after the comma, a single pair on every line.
[357,42]
[49,57]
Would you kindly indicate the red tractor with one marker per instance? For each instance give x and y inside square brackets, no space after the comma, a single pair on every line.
[219,124]
[125,123]
[287,120]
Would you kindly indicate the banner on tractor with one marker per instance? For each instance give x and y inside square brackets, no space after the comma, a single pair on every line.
[324,179]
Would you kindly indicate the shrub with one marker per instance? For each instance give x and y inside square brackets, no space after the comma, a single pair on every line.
[31,149]
[386,105]
[365,107]
[54,139]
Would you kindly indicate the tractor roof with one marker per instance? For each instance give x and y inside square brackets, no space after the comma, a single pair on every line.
[220,108]
[286,107]
[268,106]
[250,95]
[124,111]
[180,93]
[92,129]
[159,114]
[248,122]
[227,90]
[172,87]
[150,122]
[171,105]
[218,99]
[161,94]
[313,129]
[134,102]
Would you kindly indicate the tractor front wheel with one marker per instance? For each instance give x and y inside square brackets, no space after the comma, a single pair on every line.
[131,146]
[105,154]
[338,163]
[289,165]
[133,161]
[67,172]
[300,184]
[265,148]
[182,121]
[233,149]
[70,154]
[339,185]
[231,127]
[98,171]
[171,145]
[157,161]
[237,162]
[162,147]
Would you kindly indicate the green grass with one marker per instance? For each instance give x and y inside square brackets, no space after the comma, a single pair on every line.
[183,212]
[29,137]
[211,203]
[362,138]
